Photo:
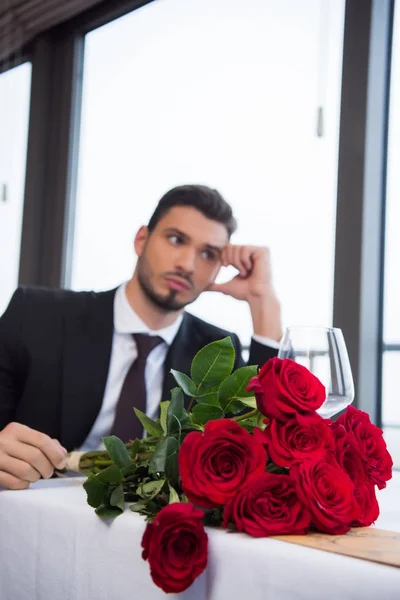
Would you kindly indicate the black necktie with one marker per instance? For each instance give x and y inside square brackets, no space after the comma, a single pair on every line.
[133,393]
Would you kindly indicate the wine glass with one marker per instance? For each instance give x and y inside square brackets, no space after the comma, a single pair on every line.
[322,350]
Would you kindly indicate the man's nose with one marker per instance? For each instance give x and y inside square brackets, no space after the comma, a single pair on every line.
[186,260]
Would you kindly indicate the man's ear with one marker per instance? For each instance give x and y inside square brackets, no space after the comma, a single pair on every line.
[140,240]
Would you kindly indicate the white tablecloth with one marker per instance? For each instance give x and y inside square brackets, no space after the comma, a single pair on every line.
[53,547]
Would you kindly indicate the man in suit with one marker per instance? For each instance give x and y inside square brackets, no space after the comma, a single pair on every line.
[66,358]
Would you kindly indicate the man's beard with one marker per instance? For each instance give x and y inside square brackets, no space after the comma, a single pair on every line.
[166,303]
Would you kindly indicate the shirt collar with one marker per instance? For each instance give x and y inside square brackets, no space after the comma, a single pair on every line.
[127,321]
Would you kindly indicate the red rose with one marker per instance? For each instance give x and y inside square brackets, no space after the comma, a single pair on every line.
[348,456]
[370,443]
[369,507]
[214,465]
[175,544]
[268,505]
[328,493]
[301,436]
[284,387]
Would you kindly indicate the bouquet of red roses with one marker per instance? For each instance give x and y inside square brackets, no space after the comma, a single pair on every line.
[250,452]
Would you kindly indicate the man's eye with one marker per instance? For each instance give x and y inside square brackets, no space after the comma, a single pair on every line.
[208,255]
[175,239]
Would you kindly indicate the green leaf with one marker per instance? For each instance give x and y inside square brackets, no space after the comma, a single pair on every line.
[135,448]
[108,512]
[112,475]
[159,458]
[204,413]
[138,506]
[157,462]
[165,458]
[150,489]
[191,425]
[239,405]
[129,470]
[235,407]
[173,495]
[117,451]
[209,396]
[234,386]
[163,415]
[95,491]
[176,405]
[171,462]
[117,497]
[152,427]
[250,402]
[187,385]
[213,363]
[249,424]
[176,414]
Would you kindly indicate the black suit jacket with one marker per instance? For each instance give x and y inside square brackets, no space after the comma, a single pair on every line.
[55,348]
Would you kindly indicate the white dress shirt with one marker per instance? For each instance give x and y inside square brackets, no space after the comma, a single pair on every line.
[266,341]
[123,353]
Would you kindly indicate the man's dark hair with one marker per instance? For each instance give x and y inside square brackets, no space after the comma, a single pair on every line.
[204,199]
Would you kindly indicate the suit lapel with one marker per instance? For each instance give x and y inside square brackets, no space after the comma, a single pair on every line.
[180,354]
[88,342]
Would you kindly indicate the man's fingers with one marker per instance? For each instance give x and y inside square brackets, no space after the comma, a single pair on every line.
[245,257]
[224,256]
[240,257]
[26,455]
[29,454]
[213,287]
[237,261]
[57,443]
[230,258]
[55,453]
[12,483]
[18,468]
[224,288]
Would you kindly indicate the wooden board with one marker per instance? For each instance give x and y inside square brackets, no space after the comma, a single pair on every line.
[368,543]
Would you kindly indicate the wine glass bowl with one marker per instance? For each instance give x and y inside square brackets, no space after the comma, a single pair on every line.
[322,350]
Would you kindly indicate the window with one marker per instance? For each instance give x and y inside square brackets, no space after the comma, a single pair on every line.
[391,329]
[226,94]
[15,86]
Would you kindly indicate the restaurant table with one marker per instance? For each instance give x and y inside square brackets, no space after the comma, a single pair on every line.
[54,547]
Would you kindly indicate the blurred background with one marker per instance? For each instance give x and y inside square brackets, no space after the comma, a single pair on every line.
[290,109]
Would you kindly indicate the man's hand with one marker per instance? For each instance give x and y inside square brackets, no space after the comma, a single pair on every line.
[254,279]
[27,455]
[253,284]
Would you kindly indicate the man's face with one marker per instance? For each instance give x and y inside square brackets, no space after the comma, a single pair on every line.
[180,258]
